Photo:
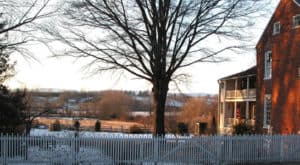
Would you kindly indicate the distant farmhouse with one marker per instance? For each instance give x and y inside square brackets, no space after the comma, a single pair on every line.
[268,95]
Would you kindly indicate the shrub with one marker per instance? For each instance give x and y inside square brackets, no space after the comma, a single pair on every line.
[55,126]
[97,126]
[182,128]
[76,125]
[135,129]
[173,129]
[242,129]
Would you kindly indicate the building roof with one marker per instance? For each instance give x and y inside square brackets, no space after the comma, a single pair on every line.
[295,2]
[269,22]
[250,71]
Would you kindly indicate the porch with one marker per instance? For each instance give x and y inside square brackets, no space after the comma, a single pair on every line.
[240,88]
[237,100]
[235,112]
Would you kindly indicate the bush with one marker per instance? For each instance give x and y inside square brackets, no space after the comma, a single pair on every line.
[55,126]
[97,126]
[135,129]
[12,108]
[182,128]
[242,129]
[173,129]
[76,125]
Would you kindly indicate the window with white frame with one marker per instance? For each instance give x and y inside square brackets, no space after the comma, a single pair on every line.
[268,65]
[296,21]
[267,110]
[276,28]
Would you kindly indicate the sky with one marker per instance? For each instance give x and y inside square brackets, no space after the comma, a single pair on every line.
[66,74]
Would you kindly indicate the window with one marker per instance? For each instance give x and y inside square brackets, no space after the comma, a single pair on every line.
[242,83]
[296,21]
[267,110]
[276,28]
[252,82]
[268,65]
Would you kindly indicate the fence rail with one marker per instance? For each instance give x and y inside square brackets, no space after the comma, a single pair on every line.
[198,150]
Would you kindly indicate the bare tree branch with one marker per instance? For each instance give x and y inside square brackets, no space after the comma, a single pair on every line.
[154,39]
[19,22]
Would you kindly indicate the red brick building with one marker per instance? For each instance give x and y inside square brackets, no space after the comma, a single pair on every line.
[278,72]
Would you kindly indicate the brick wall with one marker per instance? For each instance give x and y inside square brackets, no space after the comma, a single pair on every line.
[284,85]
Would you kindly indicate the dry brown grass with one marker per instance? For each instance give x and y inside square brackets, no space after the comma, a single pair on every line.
[88,123]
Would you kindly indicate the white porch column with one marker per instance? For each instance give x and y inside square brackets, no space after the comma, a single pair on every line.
[247,102]
[248,86]
[222,107]
[235,103]
[247,110]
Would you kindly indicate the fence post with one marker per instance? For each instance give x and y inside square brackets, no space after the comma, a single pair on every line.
[230,141]
[141,152]
[5,149]
[155,150]
[1,148]
[72,150]
[281,148]
[219,149]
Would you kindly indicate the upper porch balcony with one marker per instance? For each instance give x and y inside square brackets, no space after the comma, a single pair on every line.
[239,87]
[241,94]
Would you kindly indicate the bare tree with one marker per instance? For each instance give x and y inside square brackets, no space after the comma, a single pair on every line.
[19,19]
[35,108]
[153,39]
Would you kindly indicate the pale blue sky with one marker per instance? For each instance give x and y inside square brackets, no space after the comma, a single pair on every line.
[65,73]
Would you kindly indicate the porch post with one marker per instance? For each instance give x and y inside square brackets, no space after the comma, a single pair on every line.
[234,115]
[247,110]
[247,102]
[223,108]
[248,86]
[235,103]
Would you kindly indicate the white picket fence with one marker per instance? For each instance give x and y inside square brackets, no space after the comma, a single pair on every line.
[140,150]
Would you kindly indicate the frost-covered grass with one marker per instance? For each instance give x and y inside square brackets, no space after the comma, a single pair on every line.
[64,153]
[91,134]
[56,147]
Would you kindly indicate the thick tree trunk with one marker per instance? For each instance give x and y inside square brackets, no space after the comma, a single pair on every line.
[159,91]
[28,127]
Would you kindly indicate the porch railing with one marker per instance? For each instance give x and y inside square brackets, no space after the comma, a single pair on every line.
[231,94]
[229,122]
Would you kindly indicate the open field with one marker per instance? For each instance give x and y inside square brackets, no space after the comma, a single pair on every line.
[89,124]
